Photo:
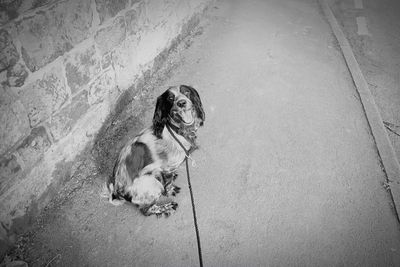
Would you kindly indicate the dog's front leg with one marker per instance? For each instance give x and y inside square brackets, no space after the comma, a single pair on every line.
[169,188]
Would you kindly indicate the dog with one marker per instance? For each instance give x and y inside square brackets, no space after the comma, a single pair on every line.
[147,164]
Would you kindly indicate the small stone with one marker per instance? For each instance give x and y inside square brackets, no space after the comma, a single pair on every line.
[17,75]
[34,145]
[106,61]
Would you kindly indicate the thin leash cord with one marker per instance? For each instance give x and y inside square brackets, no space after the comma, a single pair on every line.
[191,196]
[194,214]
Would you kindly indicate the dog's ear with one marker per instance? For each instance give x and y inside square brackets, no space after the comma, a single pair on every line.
[163,107]
[195,98]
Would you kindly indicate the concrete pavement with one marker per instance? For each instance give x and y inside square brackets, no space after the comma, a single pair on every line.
[287,173]
[378,54]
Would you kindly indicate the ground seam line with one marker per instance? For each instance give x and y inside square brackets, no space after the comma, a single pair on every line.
[384,146]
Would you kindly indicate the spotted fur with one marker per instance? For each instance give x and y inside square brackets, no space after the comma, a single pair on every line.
[147,164]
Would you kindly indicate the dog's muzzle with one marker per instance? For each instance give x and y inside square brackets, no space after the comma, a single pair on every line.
[185,117]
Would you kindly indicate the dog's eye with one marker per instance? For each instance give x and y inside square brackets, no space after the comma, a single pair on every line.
[171,98]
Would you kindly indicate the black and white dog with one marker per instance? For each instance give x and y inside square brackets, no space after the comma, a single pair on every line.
[147,164]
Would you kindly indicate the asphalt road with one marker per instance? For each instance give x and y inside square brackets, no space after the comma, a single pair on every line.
[287,173]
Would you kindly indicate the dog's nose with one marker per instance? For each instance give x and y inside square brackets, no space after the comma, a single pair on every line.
[181,103]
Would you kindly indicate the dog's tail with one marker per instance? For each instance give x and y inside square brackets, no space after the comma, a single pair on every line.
[108,192]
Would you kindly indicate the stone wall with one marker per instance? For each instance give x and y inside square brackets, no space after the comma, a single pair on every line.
[63,65]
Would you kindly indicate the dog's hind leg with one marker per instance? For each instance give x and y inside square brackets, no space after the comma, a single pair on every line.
[160,208]
[147,192]
[113,197]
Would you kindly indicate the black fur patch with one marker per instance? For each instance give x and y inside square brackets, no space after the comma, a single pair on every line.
[163,107]
[193,95]
[127,197]
[139,157]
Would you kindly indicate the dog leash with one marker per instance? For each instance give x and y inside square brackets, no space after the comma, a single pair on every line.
[187,156]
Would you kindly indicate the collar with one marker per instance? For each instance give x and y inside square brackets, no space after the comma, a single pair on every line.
[174,127]
[187,133]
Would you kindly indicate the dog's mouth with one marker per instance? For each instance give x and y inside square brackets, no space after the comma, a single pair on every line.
[187,118]
[184,116]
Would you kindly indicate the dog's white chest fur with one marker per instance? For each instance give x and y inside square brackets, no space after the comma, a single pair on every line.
[175,154]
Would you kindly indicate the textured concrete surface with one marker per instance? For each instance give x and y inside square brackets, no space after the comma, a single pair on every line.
[378,55]
[384,146]
[287,173]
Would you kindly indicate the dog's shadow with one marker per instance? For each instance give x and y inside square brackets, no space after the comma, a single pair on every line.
[126,120]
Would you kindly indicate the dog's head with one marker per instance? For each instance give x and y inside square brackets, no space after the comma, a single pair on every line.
[179,105]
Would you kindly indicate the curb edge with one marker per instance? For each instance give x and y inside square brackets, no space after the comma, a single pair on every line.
[385,150]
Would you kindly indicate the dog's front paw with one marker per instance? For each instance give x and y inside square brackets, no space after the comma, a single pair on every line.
[168,178]
[172,190]
[171,207]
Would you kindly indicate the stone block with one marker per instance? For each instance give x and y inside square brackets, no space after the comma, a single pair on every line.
[62,123]
[9,10]
[125,62]
[108,9]
[4,18]
[132,21]
[109,37]
[182,10]
[45,96]
[8,53]
[131,18]
[16,75]
[101,87]
[49,34]
[40,44]
[39,3]
[81,67]
[134,2]
[159,12]
[10,169]
[137,23]
[14,122]
[34,145]
[78,19]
